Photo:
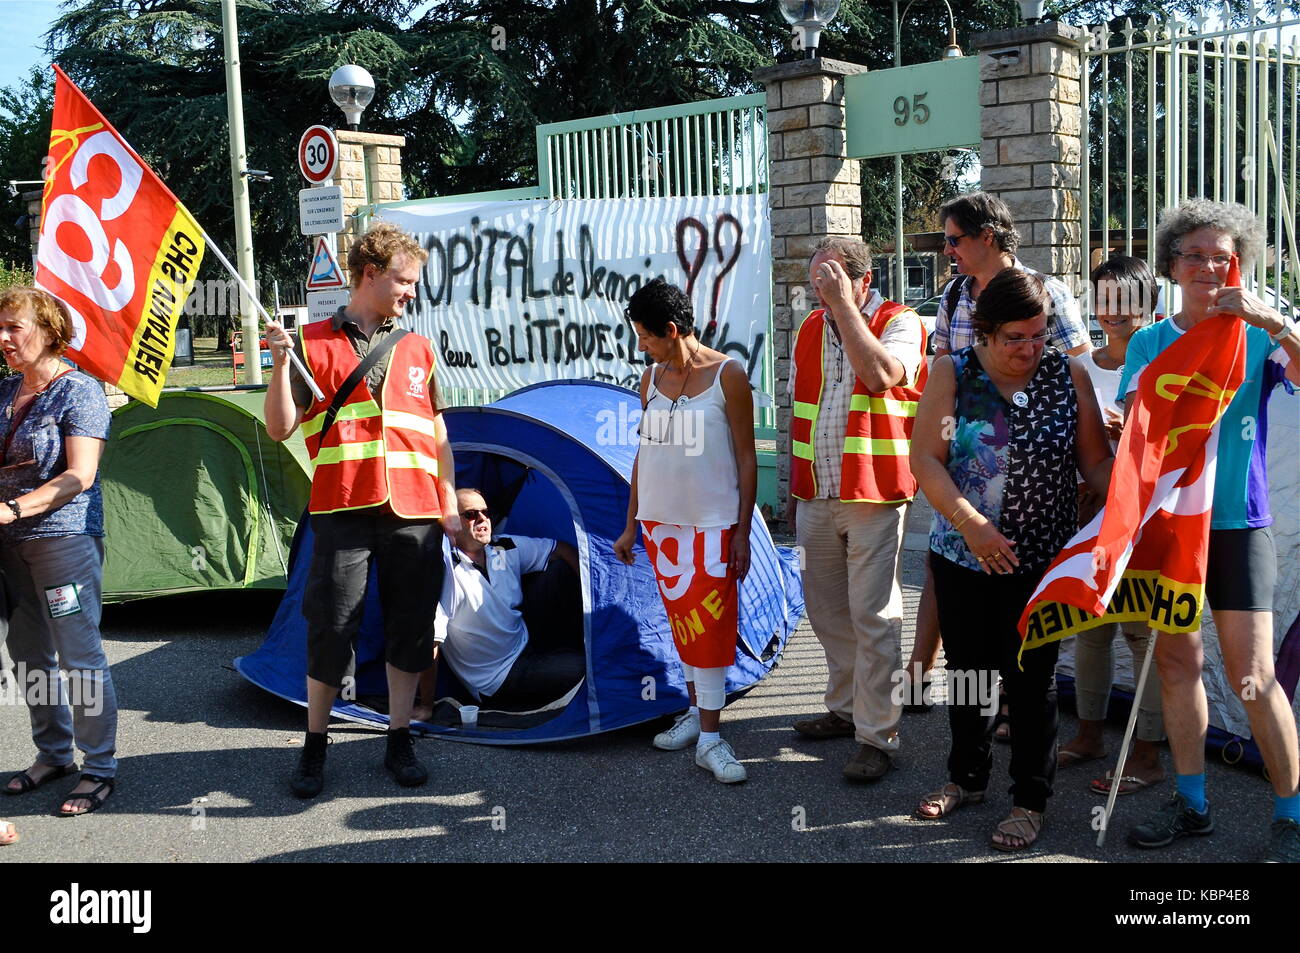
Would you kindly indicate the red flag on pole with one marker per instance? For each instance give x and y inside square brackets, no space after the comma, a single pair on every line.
[116,248]
[1143,558]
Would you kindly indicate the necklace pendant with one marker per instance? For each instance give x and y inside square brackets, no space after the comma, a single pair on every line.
[1020,399]
[681,401]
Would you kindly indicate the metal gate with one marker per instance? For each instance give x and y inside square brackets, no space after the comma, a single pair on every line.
[1173,111]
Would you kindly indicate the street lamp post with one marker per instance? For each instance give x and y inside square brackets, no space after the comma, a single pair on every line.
[951,51]
[239,186]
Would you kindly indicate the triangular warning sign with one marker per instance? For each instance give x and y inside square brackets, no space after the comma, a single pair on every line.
[324,273]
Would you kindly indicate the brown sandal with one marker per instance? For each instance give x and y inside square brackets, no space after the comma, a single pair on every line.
[1022,824]
[946,800]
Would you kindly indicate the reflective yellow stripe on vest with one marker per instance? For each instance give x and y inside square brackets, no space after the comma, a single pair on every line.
[350,451]
[878,448]
[411,460]
[400,418]
[358,411]
[883,405]
[804,410]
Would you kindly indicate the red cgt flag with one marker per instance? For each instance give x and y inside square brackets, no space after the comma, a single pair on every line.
[116,248]
[1142,559]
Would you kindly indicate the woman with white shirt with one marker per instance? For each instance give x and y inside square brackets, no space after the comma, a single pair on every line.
[693,488]
[1124,292]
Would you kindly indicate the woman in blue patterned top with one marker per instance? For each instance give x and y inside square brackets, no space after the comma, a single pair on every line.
[54,423]
[1001,427]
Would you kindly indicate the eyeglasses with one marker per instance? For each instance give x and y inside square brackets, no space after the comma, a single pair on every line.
[954,240]
[473,515]
[1196,260]
[1017,342]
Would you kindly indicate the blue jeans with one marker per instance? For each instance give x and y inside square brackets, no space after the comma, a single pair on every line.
[53,586]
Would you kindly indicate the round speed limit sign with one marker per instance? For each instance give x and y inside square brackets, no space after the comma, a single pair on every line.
[318,154]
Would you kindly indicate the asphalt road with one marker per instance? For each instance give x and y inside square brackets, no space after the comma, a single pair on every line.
[206,757]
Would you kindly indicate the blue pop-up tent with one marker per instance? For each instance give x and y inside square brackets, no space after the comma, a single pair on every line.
[560,455]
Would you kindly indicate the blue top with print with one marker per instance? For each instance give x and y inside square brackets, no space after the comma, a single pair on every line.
[1016,465]
[1240,477]
[72,406]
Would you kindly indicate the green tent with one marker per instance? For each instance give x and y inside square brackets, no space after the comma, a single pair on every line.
[198,497]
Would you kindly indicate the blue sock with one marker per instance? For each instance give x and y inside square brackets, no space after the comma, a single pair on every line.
[1288,807]
[1192,788]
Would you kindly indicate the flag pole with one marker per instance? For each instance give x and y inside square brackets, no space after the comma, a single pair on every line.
[1116,776]
[293,354]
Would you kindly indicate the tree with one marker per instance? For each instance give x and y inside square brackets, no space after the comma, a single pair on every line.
[24,140]
[466,81]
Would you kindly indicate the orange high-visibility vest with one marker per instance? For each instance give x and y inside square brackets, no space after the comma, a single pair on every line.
[874,467]
[372,456]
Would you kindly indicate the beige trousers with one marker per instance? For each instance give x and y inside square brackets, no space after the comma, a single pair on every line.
[850,566]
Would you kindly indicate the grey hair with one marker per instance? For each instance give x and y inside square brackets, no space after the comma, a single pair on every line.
[855,254]
[1239,222]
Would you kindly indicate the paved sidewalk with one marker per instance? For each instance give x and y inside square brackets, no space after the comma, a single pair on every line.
[206,759]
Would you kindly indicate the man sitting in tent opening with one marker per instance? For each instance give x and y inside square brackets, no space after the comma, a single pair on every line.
[511,652]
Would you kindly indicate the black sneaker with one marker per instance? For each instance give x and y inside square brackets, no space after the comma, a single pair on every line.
[1172,821]
[400,759]
[1284,842]
[309,779]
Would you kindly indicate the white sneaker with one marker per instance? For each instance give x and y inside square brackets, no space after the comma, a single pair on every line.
[721,760]
[684,733]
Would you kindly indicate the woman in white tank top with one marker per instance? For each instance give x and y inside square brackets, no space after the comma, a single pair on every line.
[693,489]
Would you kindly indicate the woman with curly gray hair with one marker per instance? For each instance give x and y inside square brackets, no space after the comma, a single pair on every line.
[1196,245]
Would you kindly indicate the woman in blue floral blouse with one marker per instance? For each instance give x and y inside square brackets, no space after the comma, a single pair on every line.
[1001,428]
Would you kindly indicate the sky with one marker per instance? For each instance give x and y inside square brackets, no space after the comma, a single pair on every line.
[20,40]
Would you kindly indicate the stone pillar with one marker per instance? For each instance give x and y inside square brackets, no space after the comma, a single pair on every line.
[370,170]
[1030,124]
[813,192]
[32,200]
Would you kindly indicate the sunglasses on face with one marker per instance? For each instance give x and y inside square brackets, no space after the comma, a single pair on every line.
[473,515]
[953,240]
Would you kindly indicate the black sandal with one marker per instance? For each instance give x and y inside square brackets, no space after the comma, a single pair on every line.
[28,783]
[95,795]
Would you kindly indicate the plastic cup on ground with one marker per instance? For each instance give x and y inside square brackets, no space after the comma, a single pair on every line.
[468,716]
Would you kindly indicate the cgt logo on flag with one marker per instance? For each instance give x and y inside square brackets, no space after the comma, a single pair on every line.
[116,248]
[1142,558]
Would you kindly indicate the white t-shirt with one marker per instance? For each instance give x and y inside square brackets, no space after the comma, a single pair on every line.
[1105,383]
[486,632]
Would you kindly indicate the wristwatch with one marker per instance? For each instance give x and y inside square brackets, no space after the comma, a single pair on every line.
[1288,328]
[17,510]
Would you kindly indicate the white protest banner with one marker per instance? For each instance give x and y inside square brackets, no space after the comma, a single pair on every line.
[519,292]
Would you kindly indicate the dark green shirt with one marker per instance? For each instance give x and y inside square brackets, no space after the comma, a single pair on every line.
[361,345]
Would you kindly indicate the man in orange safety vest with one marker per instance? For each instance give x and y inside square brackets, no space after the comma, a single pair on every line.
[857,370]
[382,481]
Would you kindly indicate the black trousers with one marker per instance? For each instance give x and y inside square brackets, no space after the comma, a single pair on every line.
[408,554]
[555,658]
[977,618]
